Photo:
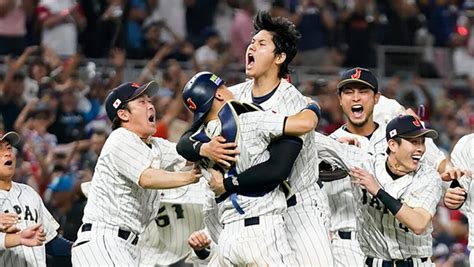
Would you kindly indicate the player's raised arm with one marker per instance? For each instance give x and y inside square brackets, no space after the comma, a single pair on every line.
[161,179]
[304,121]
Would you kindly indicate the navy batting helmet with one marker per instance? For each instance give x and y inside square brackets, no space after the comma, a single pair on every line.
[198,93]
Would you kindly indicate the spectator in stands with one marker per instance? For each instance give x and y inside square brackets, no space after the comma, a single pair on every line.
[241,30]
[13,26]
[199,16]
[60,21]
[210,56]
[11,103]
[136,12]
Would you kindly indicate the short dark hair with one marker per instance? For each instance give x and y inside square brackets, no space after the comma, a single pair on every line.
[397,140]
[285,37]
[117,122]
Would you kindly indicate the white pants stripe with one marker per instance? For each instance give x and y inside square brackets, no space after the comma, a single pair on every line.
[347,251]
[308,235]
[263,244]
[101,246]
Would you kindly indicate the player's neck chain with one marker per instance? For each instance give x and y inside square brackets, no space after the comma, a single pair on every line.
[396,167]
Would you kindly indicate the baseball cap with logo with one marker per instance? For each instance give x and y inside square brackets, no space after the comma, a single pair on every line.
[358,75]
[198,93]
[11,137]
[408,126]
[127,92]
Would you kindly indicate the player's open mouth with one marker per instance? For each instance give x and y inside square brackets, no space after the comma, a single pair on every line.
[416,158]
[357,111]
[8,163]
[151,118]
[250,60]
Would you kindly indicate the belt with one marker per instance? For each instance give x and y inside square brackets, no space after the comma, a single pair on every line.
[121,233]
[252,221]
[397,263]
[345,235]
[291,201]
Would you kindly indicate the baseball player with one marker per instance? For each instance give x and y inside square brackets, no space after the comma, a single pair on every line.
[358,97]
[268,55]
[397,194]
[458,193]
[132,163]
[37,225]
[245,216]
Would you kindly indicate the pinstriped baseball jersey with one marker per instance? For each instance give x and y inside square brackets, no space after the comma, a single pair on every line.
[115,196]
[380,234]
[257,129]
[341,200]
[287,100]
[24,201]
[306,222]
[462,157]
[164,241]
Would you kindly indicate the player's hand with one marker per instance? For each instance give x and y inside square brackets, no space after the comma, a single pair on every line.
[365,180]
[32,236]
[351,140]
[194,175]
[219,151]
[216,183]
[7,221]
[452,173]
[199,240]
[454,197]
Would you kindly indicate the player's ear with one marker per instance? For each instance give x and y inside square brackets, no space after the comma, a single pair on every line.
[377,97]
[123,115]
[280,58]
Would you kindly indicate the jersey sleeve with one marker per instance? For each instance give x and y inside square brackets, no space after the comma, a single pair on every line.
[128,156]
[47,221]
[170,160]
[426,193]
[342,155]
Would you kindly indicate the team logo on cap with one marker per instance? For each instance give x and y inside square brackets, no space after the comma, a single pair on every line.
[393,132]
[416,122]
[136,85]
[116,103]
[356,75]
[215,79]
[191,104]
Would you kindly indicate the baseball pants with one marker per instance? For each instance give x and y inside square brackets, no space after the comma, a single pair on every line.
[346,249]
[307,229]
[256,241]
[99,244]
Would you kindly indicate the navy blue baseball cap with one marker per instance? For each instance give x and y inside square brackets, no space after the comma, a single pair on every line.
[408,126]
[199,91]
[11,137]
[126,92]
[358,75]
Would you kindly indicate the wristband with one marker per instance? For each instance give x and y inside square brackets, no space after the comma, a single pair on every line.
[392,204]
[203,253]
[455,183]
[313,107]
[231,184]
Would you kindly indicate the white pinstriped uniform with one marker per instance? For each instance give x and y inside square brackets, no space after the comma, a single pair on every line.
[24,201]
[343,205]
[380,234]
[462,157]
[164,241]
[387,109]
[306,223]
[237,243]
[116,201]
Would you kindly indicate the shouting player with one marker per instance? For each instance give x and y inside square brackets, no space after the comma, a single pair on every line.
[23,238]
[268,56]
[132,162]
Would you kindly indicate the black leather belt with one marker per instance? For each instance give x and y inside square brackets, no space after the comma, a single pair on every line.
[252,221]
[121,233]
[344,235]
[398,263]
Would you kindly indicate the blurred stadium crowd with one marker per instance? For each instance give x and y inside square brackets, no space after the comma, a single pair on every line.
[60,57]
